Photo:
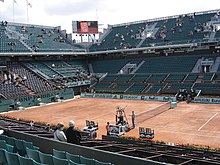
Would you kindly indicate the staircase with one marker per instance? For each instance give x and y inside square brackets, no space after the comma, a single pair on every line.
[215,66]
[29,91]
[26,45]
[91,71]
[199,79]
[197,67]
[139,65]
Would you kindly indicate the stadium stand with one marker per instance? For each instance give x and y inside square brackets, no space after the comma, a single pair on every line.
[181,29]
[34,38]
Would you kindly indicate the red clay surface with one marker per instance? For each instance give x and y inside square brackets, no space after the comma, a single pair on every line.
[186,124]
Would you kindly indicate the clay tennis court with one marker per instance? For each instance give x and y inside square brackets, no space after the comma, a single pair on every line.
[186,124]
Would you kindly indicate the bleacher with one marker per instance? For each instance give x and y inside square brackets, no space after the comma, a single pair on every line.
[182,29]
[20,152]
[157,75]
[34,38]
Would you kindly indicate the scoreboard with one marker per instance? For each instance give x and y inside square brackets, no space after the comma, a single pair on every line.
[85,27]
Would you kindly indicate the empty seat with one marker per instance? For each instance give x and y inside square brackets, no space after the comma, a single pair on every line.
[46,158]
[12,158]
[59,154]
[101,163]
[3,159]
[34,154]
[25,161]
[73,163]
[74,158]
[87,161]
[58,161]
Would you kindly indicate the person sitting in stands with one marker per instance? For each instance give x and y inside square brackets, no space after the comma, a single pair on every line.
[73,136]
[59,134]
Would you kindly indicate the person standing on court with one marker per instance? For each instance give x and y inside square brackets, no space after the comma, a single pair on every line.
[107,128]
[133,119]
[59,134]
[73,136]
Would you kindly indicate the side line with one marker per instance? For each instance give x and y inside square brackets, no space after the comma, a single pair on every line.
[207,121]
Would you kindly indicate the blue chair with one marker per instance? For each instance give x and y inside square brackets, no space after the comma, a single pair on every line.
[25,161]
[46,158]
[73,163]
[101,163]
[87,161]
[33,154]
[6,146]
[12,158]
[58,161]
[74,158]
[3,159]
[59,154]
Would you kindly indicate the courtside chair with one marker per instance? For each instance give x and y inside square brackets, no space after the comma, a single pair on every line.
[33,154]
[101,163]
[25,161]
[87,161]
[12,158]
[46,158]
[74,158]
[3,159]
[58,161]
[59,154]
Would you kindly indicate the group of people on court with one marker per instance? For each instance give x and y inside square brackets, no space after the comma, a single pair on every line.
[71,135]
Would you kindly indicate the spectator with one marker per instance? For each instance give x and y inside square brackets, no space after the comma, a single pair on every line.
[107,128]
[59,134]
[73,136]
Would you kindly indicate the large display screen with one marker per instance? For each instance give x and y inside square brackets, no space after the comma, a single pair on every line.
[85,27]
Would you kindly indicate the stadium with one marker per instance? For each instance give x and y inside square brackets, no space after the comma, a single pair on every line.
[155,81]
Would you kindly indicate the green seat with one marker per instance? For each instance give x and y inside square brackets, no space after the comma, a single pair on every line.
[3,137]
[87,161]
[101,163]
[10,140]
[46,158]
[25,161]
[3,144]
[58,161]
[74,158]
[3,159]
[73,163]
[20,147]
[59,154]
[33,154]
[12,158]
[36,163]
[9,148]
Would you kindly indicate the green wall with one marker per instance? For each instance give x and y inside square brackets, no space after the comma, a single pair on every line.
[28,101]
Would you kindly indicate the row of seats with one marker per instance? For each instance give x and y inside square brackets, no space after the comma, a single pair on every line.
[20,152]
[175,30]
[156,83]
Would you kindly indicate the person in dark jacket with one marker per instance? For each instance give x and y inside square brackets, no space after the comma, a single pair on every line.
[73,136]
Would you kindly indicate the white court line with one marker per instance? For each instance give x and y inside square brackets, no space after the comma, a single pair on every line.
[207,121]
